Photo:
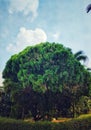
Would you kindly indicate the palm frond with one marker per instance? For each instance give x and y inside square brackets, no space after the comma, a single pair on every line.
[88,8]
[89,69]
[82,58]
[78,53]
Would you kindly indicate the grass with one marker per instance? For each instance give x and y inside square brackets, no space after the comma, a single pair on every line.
[83,116]
[83,122]
[61,120]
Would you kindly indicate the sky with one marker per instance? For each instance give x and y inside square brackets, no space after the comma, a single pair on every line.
[28,22]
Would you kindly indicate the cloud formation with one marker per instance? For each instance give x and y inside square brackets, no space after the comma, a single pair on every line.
[26,38]
[24,6]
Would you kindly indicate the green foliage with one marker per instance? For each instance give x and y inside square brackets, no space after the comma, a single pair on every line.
[83,105]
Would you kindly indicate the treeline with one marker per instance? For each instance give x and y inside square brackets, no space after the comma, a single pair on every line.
[45,81]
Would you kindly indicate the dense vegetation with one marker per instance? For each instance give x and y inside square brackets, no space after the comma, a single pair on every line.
[45,81]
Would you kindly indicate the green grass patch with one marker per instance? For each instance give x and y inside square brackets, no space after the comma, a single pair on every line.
[81,123]
[84,116]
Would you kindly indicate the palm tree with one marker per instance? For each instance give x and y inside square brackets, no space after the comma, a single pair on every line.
[80,56]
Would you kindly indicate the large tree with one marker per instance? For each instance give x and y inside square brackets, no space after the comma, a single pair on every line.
[48,69]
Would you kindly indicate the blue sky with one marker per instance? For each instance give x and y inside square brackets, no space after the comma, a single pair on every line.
[29,22]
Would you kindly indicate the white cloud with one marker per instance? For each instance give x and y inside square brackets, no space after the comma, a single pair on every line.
[24,6]
[1,79]
[27,38]
[56,36]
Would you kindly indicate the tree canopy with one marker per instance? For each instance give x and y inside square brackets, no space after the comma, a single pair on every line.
[45,66]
